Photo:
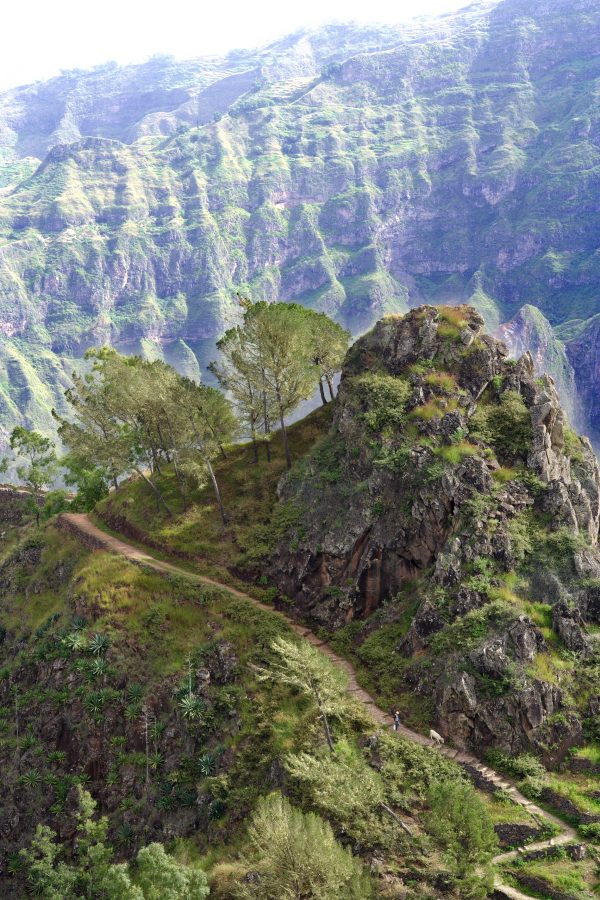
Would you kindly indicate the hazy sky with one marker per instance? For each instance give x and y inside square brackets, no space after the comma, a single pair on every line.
[40,37]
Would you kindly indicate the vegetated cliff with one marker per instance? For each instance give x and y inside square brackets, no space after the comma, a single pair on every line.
[143,689]
[454,509]
[531,331]
[582,341]
[356,170]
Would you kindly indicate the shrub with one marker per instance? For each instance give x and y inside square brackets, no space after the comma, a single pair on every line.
[506,426]
[296,854]
[384,397]
[591,832]
[573,445]
[461,825]
[455,453]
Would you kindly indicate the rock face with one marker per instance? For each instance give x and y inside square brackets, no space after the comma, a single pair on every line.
[582,340]
[357,170]
[530,331]
[364,555]
[448,476]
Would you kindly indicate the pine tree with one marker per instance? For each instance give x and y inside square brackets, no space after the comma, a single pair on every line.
[302,667]
[296,855]
[462,827]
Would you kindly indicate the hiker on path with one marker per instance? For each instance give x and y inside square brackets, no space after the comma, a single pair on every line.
[397,720]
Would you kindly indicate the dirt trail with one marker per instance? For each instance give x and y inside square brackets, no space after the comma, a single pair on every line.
[80,525]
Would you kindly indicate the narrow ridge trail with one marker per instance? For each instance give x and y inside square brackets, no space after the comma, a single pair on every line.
[81,526]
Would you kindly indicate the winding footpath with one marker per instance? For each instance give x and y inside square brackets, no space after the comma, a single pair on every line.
[81,526]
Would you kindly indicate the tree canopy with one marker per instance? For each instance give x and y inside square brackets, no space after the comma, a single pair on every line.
[275,359]
[133,416]
[92,873]
[38,468]
[296,855]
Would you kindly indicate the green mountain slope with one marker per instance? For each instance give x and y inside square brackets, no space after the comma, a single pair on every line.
[357,171]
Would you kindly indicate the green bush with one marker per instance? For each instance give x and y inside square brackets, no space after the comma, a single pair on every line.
[296,855]
[462,827]
[384,399]
[591,832]
[506,426]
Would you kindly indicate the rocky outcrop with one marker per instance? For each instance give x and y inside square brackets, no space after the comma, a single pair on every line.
[426,622]
[348,560]
[569,626]
[520,642]
[447,469]
[531,332]
[507,722]
[583,343]
[589,602]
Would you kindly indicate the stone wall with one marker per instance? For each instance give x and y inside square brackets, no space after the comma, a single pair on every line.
[13,505]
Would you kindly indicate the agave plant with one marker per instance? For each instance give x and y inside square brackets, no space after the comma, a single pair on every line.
[76,640]
[191,707]
[156,760]
[14,863]
[56,756]
[157,729]
[135,692]
[125,833]
[165,803]
[28,741]
[206,764]
[30,779]
[94,703]
[133,711]
[99,644]
[99,667]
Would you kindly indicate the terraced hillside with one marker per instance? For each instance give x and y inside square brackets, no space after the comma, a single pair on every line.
[358,171]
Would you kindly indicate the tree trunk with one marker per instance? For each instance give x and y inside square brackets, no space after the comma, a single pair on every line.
[215,485]
[178,475]
[159,497]
[284,434]
[330,386]
[323,397]
[163,442]
[396,818]
[327,731]
[254,447]
[267,424]
[212,430]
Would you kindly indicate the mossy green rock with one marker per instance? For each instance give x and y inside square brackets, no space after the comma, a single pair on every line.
[451,495]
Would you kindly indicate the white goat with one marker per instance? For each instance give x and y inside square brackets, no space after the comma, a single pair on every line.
[435,737]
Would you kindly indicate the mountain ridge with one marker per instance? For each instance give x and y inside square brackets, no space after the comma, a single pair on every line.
[362,171]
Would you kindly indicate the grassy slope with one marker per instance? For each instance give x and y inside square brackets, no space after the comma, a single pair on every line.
[249,494]
[576,879]
[52,587]
[237,552]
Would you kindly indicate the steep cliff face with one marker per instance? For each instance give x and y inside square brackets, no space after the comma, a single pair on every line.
[530,331]
[359,171]
[583,350]
[451,494]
